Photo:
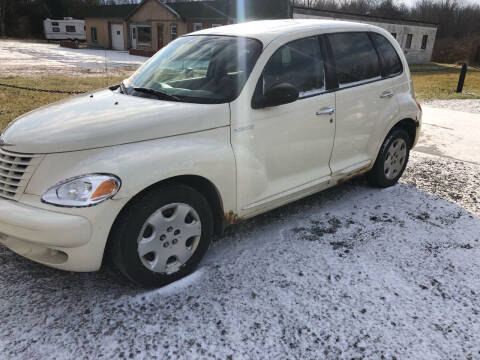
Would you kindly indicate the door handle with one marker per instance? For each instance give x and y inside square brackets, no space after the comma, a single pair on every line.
[386,94]
[327,111]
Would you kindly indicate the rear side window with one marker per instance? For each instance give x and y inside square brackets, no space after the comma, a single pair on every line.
[390,60]
[298,63]
[355,57]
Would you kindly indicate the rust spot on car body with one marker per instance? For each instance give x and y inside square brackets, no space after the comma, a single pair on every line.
[347,177]
[231,218]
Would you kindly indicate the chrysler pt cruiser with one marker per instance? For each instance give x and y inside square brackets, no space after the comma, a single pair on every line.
[220,125]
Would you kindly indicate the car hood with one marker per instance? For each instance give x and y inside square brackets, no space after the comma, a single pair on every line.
[106,118]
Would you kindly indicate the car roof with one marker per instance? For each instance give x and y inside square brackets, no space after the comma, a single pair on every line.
[267,30]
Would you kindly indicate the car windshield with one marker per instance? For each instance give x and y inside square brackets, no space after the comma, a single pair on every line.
[200,69]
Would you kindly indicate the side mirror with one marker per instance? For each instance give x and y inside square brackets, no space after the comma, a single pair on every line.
[283,93]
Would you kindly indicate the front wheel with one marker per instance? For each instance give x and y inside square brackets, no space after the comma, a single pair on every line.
[391,160]
[162,236]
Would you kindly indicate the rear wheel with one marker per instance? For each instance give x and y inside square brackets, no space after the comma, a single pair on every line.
[391,160]
[162,235]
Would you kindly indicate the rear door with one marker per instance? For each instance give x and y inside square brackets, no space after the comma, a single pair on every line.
[365,101]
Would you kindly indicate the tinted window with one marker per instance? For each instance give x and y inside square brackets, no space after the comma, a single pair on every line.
[298,63]
[355,57]
[390,60]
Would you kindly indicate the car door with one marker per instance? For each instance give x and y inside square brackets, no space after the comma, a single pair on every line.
[282,151]
[364,101]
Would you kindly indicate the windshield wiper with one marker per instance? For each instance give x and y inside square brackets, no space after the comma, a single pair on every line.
[159,94]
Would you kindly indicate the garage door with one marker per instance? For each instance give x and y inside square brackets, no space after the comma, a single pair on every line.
[117,37]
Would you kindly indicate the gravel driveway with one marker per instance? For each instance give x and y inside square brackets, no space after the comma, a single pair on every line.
[353,272]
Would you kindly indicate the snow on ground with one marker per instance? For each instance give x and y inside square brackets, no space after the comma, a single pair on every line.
[30,58]
[353,272]
[465,105]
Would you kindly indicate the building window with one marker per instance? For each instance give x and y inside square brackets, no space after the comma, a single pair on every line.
[424,41]
[70,28]
[144,35]
[173,31]
[408,44]
[93,33]
[197,26]
[216,25]
[394,35]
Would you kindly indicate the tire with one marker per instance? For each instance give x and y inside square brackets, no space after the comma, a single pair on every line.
[154,222]
[391,160]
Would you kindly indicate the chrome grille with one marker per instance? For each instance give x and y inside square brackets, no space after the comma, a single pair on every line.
[15,172]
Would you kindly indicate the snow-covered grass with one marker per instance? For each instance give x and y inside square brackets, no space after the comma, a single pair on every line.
[30,58]
[353,272]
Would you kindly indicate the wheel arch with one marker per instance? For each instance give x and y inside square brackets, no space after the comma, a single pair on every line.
[199,183]
[410,126]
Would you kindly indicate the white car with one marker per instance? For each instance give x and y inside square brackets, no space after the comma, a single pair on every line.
[219,126]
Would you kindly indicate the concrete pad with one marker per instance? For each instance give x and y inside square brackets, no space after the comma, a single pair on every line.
[451,134]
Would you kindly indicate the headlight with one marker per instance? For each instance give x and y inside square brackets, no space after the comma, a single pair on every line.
[85,190]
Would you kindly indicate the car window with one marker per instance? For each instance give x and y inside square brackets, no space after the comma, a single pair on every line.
[390,60]
[298,63]
[200,69]
[355,57]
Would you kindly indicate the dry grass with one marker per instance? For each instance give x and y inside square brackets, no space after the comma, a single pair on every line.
[432,81]
[439,81]
[15,102]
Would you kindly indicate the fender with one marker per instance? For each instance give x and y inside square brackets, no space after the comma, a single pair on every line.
[142,164]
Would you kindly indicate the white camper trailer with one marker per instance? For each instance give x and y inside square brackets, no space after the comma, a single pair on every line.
[66,29]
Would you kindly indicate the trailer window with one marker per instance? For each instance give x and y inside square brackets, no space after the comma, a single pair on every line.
[70,28]
[54,23]
[55,29]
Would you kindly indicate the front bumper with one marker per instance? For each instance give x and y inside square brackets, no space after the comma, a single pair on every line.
[64,238]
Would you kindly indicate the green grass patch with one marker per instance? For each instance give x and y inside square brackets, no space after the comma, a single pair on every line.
[439,81]
[15,102]
[431,81]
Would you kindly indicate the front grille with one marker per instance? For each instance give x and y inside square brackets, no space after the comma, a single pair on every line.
[15,172]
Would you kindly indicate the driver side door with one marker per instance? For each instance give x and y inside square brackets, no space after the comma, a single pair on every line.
[283,152]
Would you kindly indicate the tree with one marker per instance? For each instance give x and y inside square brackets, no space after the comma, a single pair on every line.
[5,5]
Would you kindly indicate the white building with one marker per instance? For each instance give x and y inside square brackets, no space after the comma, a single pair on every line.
[415,37]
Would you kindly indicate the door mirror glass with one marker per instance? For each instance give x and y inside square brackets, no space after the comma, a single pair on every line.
[283,93]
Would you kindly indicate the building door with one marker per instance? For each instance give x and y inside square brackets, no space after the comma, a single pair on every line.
[133,37]
[160,36]
[117,37]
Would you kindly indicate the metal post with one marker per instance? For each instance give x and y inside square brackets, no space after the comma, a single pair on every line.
[461,79]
